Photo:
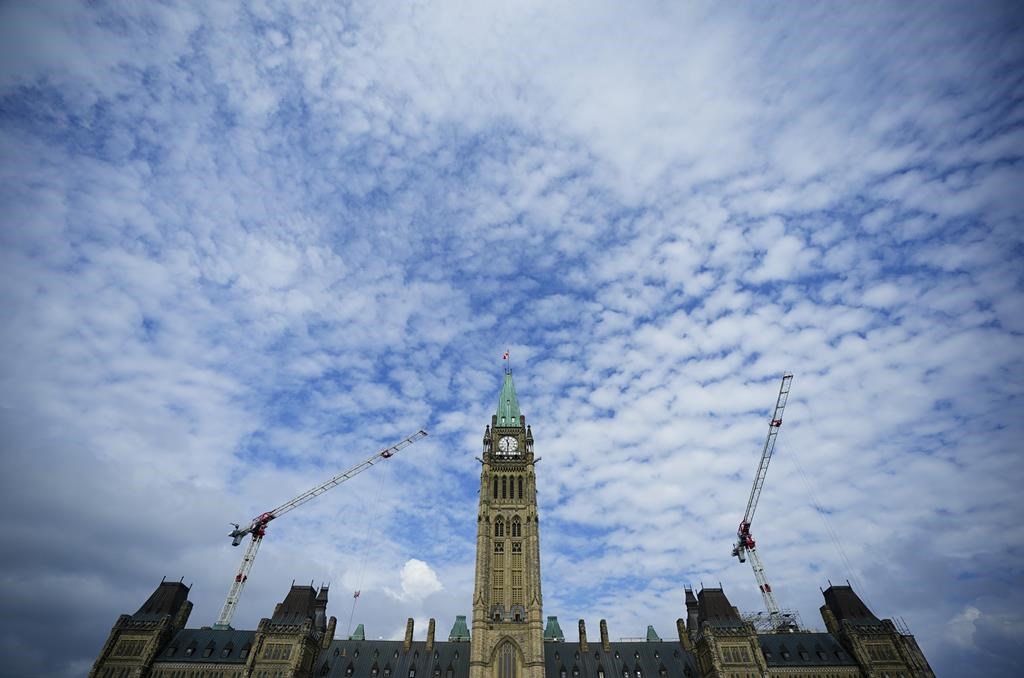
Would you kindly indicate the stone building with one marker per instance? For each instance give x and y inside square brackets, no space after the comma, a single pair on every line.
[507,636]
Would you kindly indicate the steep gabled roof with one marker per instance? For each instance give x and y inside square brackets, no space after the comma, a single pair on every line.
[167,599]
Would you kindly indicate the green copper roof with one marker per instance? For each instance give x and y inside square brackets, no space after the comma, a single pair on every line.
[553,631]
[459,630]
[358,634]
[652,636]
[508,404]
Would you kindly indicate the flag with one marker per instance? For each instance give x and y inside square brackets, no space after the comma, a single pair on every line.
[505,357]
[356,594]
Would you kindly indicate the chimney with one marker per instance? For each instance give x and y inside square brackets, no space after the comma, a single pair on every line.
[684,637]
[430,635]
[691,610]
[584,648]
[408,636]
[605,645]
[329,636]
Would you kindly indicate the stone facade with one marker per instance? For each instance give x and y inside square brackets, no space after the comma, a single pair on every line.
[508,638]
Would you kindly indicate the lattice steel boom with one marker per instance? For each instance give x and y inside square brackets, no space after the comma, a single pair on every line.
[258,527]
[745,544]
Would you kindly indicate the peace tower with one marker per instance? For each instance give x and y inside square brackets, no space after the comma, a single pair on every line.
[507,637]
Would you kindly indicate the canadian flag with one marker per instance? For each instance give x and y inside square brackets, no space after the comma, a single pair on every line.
[356,594]
[505,357]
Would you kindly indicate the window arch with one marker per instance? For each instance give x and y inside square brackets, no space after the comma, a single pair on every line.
[499,527]
[507,661]
[504,487]
[494,482]
[520,487]
[517,529]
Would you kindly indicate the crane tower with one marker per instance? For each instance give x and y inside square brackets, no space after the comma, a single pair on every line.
[745,545]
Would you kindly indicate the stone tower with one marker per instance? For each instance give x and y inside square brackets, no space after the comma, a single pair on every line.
[507,639]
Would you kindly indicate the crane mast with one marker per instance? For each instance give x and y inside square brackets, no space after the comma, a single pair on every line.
[258,526]
[745,545]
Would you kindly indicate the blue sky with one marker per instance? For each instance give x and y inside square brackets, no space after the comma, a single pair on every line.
[244,247]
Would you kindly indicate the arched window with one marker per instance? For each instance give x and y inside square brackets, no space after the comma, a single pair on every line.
[494,481]
[517,530]
[600,671]
[562,673]
[374,670]
[499,528]
[349,670]
[504,487]
[507,661]
[520,487]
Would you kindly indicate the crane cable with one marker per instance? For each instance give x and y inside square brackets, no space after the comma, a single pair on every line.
[363,552]
[792,455]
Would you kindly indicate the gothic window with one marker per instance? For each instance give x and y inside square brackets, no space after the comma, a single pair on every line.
[562,672]
[662,671]
[507,662]
[494,482]
[600,671]
[638,673]
[517,530]
[437,671]
[499,528]
[387,671]
[412,672]
[520,487]
[374,670]
[517,547]
[499,547]
[576,669]
[625,672]
[349,670]
[355,655]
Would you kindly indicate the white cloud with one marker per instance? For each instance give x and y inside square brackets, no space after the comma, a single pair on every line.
[418,581]
[960,629]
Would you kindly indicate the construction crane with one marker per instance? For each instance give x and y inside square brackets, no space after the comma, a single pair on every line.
[745,545]
[258,527]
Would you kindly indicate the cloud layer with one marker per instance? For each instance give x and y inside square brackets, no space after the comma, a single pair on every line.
[244,248]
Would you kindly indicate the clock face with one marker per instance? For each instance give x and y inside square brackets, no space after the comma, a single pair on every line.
[508,444]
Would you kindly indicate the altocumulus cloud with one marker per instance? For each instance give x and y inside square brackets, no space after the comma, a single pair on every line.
[242,248]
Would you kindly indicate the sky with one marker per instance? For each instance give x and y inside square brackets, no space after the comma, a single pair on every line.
[246,245]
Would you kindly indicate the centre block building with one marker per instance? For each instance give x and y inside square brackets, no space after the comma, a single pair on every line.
[508,635]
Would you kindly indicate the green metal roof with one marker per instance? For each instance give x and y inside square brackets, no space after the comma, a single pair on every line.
[508,404]
[358,634]
[460,632]
[553,631]
[652,635]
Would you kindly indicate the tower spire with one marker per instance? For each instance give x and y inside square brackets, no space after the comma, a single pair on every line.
[508,413]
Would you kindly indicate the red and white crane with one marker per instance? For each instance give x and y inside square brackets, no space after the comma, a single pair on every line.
[258,527]
[745,545]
